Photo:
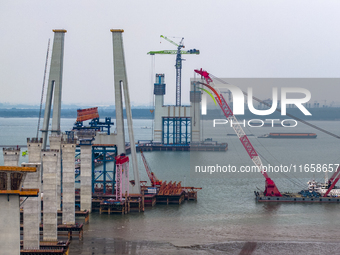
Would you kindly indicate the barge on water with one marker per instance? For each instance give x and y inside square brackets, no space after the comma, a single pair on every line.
[317,192]
[206,145]
[295,198]
[289,135]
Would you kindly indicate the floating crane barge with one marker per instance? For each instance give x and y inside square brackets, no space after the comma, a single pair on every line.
[316,193]
[295,197]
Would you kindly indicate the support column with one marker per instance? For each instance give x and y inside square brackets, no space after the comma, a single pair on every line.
[159,92]
[55,144]
[54,85]
[69,152]
[11,182]
[9,211]
[10,224]
[34,146]
[49,159]
[86,176]
[120,79]
[32,206]
[11,156]
[195,112]
[32,209]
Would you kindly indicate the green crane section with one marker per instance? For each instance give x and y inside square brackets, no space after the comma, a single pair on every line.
[178,65]
[194,51]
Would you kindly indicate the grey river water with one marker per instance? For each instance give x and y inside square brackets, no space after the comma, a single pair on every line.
[225,219]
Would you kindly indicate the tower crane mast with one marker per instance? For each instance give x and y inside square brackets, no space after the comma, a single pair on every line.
[178,64]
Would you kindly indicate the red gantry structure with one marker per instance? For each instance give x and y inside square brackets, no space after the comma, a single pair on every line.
[87,114]
[271,189]
[122,177]
[333,180]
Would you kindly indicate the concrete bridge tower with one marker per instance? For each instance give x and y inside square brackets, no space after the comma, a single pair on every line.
[121,86]
[54,86]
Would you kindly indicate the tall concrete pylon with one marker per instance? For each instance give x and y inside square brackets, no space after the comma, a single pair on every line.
[120,81]
[54,85]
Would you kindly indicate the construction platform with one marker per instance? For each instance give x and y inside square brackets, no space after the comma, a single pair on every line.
[172,199]
[65,230]
[112,206]
[150,200]
[168,193]
[133,202]
[48,248]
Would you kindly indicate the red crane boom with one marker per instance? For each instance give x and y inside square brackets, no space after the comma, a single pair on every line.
[271,189]
[333,180]
[153,179]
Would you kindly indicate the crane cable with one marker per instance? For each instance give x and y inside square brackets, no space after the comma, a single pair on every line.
[296,182]
[279,110]
[43,88]
[290,115]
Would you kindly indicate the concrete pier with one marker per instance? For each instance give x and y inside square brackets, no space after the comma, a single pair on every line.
[195,112]
[10,225]
[11,182]
[55,144]
[9,206]
[32,209]
[34,146]
[86,175]
[49,160]
[11,156]
[69,151]
[32,206]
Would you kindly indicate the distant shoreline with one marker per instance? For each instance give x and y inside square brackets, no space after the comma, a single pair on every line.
[327,113]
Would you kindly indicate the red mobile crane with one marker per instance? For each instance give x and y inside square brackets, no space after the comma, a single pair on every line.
[271,189]
[153,179]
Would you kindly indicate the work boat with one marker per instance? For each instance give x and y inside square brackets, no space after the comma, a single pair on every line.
[322,188]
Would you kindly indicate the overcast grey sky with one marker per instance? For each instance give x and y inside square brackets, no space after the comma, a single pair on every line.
[250,38]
